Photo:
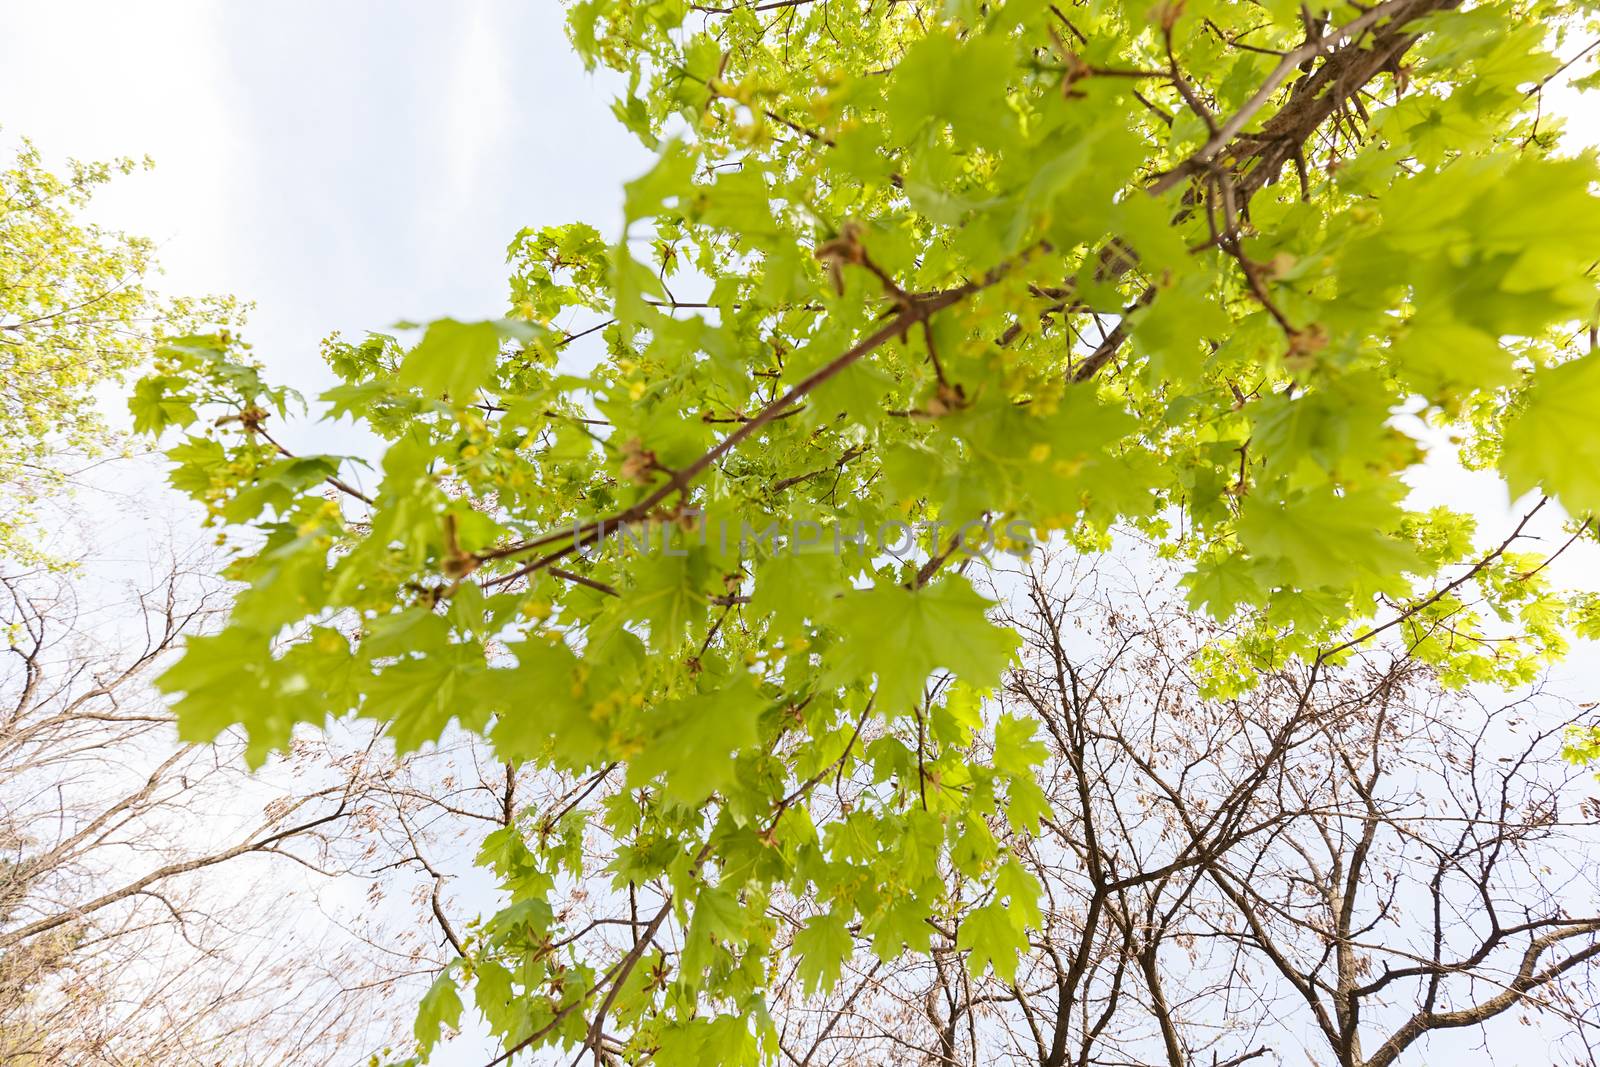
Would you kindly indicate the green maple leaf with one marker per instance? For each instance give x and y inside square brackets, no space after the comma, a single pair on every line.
[1015,750]
[903,635]
[692,742]
[900,924]
[1220,584]
[669,593]
[1552,441]
[962,83]
[822,945]
[1026,805]
[723,1039]
[535,706]
[716,920]
[216,673]
[1318,539]
[794,586]
[1022,890]
[455,358]
[440,1008]
[419,697]
[993,936]
[664,182]
[495,998]
[1173,330]
[1438,356]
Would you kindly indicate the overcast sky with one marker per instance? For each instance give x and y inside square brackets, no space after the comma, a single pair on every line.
[343,165]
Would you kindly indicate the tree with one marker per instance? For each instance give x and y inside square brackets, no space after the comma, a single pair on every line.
[1356,861]
[76,313]
[157,903]
[1329,872]
[1016,272]
[149,905]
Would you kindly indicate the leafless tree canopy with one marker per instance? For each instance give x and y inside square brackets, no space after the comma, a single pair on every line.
[160,905]
[1343,866]
[157,904]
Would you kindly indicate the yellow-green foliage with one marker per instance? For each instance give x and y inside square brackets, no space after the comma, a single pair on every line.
[1070,267]
[76,312]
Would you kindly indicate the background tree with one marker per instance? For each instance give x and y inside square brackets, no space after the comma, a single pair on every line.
[1066,270]
[1325,875]
[159,904]
[76,312]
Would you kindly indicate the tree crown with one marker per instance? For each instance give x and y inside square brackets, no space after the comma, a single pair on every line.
[1219,276]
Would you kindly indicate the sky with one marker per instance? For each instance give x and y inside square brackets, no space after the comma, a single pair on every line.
[349,165]
[344,166]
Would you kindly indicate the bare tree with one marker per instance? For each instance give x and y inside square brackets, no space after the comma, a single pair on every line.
[157,903]
[1344,865]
